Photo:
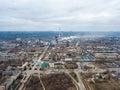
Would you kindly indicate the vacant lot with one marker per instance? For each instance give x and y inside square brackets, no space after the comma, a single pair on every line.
[108,83]
[34,84]
[71,66]
[58,82]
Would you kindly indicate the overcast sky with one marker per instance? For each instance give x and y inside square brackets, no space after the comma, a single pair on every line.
[69,15]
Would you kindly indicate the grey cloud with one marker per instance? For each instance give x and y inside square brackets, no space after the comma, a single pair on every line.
[45,15]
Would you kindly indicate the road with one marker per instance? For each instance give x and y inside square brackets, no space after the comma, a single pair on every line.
[33,70]
[40,58]
[27,73]
[80,82]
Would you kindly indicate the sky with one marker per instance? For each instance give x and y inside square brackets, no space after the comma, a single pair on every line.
[59,15]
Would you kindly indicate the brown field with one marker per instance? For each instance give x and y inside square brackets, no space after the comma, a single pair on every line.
[34,84]
[58,82]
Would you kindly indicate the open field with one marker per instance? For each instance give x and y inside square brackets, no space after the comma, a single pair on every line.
[34,84]
[58,82]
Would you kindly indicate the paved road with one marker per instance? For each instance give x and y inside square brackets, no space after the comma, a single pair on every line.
[23,82]
[80,83]
[40,58]
[27,73]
